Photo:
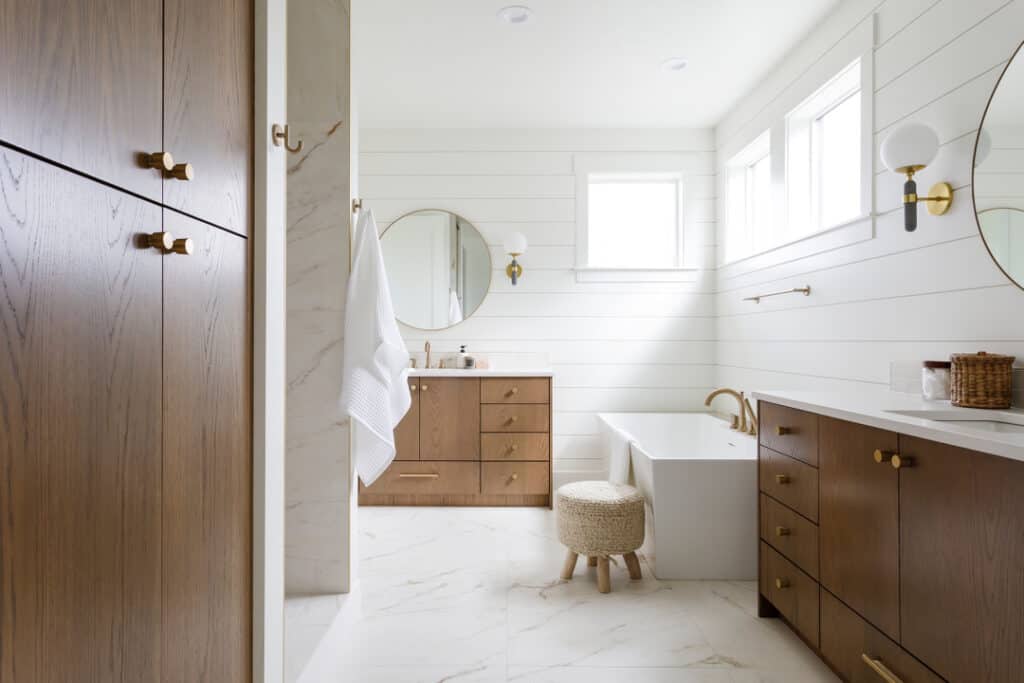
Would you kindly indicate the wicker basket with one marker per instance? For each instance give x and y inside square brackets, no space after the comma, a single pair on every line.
[981,380]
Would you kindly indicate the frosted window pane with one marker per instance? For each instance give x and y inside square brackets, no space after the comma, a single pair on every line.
[633,224]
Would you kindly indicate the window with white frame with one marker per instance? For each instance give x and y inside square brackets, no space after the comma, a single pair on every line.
[748,198]
[634,221]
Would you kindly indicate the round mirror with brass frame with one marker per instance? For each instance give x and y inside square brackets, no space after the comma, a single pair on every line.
[998,171]
[439,268]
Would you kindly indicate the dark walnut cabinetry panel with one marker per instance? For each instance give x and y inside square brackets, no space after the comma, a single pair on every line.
[454,447]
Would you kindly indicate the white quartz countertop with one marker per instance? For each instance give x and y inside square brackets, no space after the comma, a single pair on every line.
[475,372]
[935,420]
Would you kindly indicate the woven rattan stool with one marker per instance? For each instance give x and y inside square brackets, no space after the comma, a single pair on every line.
[599,519]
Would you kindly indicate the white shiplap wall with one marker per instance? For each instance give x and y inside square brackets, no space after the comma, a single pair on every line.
[614,346]
[897,296]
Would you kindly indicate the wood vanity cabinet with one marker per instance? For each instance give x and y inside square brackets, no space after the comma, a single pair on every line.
[916,571]
[470,441]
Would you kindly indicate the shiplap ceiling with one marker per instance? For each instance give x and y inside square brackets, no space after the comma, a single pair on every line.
[577,63]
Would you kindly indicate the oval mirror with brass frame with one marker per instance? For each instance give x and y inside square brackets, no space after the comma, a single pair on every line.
[998,171]
[439,268]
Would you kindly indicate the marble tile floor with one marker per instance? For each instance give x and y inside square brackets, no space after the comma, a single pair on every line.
[473,595]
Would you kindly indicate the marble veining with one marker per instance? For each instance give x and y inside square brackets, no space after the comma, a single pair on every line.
[472,594]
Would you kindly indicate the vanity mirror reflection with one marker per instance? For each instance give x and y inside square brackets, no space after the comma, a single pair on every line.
[999,172]
[439,268]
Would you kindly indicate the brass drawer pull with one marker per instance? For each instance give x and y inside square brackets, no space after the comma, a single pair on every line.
[183,246]
[884,456]
[881,669]
[782,431]
[513,391]
[901,461]
[182,172]
[782,531]
[417,475]
[423,387]
[513,477]
[413,387]
[512,420]
[781,583]
[160,160]
[782,479]
[164,241]
[513,448]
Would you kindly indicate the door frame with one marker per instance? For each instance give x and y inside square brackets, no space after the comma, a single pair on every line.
[268,255]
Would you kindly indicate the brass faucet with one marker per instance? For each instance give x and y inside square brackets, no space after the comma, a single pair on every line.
[426,347]
[738,423]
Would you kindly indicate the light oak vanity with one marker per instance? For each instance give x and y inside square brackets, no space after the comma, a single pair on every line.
[894,544]
[471,438]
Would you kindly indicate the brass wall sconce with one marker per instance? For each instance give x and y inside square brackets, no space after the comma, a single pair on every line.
[515,246]
[907,150]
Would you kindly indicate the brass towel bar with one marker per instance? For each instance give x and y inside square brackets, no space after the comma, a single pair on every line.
[805,290]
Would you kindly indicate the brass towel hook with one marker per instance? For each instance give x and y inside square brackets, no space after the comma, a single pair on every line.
[280,134]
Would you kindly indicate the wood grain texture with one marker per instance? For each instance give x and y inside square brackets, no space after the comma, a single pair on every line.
[407,433]
[859,521]
[796,599]
[845,637]
[207,502]
[800,439]
[515,418]
[519,478]
[798,539]
[81,85]
[449,418]
[798,491]
[515,447]
[80,451]
[515,390]
[962,561]
[208,96]
[443,478]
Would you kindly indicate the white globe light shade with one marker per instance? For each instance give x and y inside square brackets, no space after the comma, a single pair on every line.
[515,243]
[911,146]
[983,149]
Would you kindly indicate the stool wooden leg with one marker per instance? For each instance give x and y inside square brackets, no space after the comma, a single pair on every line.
[633,564]
[604,582]
[592,561]
[570,565]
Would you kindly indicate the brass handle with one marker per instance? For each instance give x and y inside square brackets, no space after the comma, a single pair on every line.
[182,172]
[782,431]
[413,387]
[782,531]
[423,387]
[514,447]
[881,669]
[160,160]
[163,241]
[884,456]
[183,246]
[512,420]
[901,461]
[782,478]
[514,476]
[281,136]
[513,391]
[417,475]
[781,583]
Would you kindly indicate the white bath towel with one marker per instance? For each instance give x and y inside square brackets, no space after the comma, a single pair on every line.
[619,458]
[375,391]
[454,309]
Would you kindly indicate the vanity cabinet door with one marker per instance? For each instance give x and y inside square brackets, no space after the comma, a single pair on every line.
[962,560]
[859,521]
[407,433]
[449,418]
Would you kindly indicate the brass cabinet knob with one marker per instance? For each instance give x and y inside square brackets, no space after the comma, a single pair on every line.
[884,456]
[514,447]
[161,160]
[515,475]
[514,391]
[163,241]
[182,172]
[781,583]
[183,246]
[413,387]
[901,461]
[782,531]
[512,420]
[423,387]
[782,431]
[782,478]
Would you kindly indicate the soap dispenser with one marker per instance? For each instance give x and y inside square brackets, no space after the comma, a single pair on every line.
[465,361]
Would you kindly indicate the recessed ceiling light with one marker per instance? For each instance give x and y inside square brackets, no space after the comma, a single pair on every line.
[515,14]
[674,64]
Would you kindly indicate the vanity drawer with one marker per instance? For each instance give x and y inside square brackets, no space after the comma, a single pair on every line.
[515,478]
[846,639]
[515,390]
[515,418]
[410,478]
[790,534]
[790,481]
[791,592]
[515,447]
[789,431]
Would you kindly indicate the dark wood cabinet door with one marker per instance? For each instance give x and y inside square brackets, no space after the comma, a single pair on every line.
[407,433]
[859,521]
[207,493]
[208,75]
[81,84]
[962,561]
[449,418]
[80,451]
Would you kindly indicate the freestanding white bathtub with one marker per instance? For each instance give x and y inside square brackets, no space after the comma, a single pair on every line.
[700,481]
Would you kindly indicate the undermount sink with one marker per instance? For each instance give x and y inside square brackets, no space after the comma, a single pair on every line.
[1002,423]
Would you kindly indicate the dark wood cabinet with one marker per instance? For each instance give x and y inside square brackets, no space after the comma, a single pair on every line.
[82,85]
[962,561]
[449,418]
[407,433]
[80,429]
[207,114]
[859,520]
